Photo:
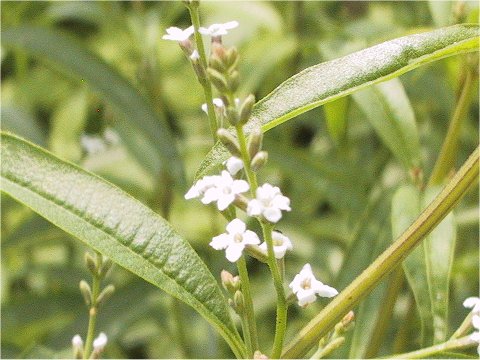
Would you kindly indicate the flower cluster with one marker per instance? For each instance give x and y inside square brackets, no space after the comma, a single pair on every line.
[474,304]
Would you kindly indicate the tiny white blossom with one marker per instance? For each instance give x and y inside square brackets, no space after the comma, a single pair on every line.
[306,287]
[475,336]
[224,190]
[216,101]
[177,34]
[92,144]
[233,165]
[472,303]
[269,202]
[234,240]
[100,342]
[111,136]
[281,244]
[218,29]
[199,188]
[195,55]
[77,342]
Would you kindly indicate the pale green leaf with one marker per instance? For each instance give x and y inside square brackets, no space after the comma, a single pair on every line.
[334,79]
[115,224]
[136,120]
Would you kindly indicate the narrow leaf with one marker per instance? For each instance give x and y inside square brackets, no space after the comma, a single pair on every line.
[135,117]
[405,209]
[439,249]
[334,79]
[115,224]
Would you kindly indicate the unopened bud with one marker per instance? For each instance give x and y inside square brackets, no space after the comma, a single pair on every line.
[77,346]
[232,115]
[91,264]
[258,355]
[231,59]
[229,141]
[230,283]
[86,292]
[105,267]
[218,80]
[246,109]
[259,160]
[234,81]
[239,301]
[255,142]
[217,49]
[105,295]
[345,324]
[99,345]
[216,63]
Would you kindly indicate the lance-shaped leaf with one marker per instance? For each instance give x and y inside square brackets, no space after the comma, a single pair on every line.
[116,225]
[334,79]
[138,124]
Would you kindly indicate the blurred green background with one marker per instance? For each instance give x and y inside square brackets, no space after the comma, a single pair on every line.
[340,177]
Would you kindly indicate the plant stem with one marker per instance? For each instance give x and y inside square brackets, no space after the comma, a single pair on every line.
[250,335]
[461,343]
[92,317]
[179,332]
[446,160]
[387,261]
[251,177]
[207,86]
[464,327]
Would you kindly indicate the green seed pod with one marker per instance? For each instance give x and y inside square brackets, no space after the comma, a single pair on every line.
[229,141]
[259,160]
[105,295]
[218,80]
[246,109]
[91,264]
[232,115]
[86,292]
[255,142]
[239,301]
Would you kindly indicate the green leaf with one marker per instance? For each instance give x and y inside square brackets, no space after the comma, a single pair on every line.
[23,124]
[389,111]
[439,249]
[115,224]
[334,79]
[406,206]
[135,118]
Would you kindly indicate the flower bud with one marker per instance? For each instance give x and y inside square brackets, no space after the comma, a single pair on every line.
[105,295]
[231,58]
[230,283]
[216,63]
[234,81]
[77,346]
[232,115]
[259,160]
[254,142]
[91,264]
[229,141]
[217,49]
[218,80]
[105,267]
[239,301]
[246,109]
[86,292]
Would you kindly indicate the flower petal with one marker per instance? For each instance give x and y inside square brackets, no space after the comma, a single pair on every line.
[236,226]
[250,238]
[272,214]
[234,251]
[220,242]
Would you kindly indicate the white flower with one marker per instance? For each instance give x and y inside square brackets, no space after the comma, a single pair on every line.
[269,202]
[177,34]
[233,165]
[472,303]
[224,190]
[195,55]
[92,144]
[218,29]
[216,101]
[234,240]
[281,244]
[306,287]
[111,136]
[77,342]
[100,342]
[475,336]
[199,188]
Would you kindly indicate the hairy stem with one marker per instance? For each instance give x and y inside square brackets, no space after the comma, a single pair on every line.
[92,317]
[250,334]
[387,261]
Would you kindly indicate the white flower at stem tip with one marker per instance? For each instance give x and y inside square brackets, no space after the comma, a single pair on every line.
[269,202]
[224,190]
[77,342]
[218,29]
[235,240]
[472,303]
[475,336]
[217,102]
[100,342]
[233,165]
[281,244]
[306,287]
[199,188]
[177,34]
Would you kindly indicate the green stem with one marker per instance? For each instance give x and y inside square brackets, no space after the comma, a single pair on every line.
[92,317]
[180,332]
[281,322]
[446,160]
[450,345]
[250,335]
[387,261]
[464,327]
[207,86]
[252,179]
